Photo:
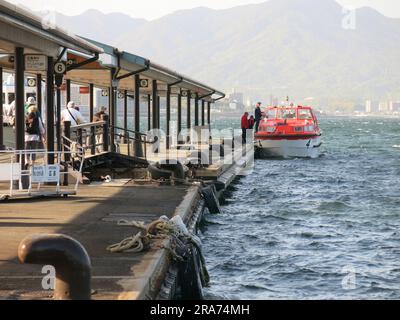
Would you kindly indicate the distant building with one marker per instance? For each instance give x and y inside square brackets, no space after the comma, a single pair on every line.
[236,100]
[233,106]
[383,106]
[236,96]
[368,106]
[371,106]
[394,106]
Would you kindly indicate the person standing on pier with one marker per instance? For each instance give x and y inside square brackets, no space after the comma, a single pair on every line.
[98,115]
[33,109]
[245,126]
[258,115]
[33,134]
[72,115]
[251,122]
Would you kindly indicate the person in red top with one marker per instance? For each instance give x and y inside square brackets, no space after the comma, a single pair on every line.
[245,126]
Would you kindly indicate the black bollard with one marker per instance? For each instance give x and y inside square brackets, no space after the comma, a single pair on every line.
[67,256]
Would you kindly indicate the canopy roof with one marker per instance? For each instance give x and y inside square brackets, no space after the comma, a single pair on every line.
[19,27]
[127,64]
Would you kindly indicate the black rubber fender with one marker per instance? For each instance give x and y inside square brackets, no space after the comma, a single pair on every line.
[189,277]
[176,168]
[210,197]
[219,186]
[157,173]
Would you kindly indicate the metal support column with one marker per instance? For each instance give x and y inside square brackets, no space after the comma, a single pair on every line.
[188,115]
[39,92]
[2,147]
[68,90]
[168,106]
[158,112]
[138,144]
[137,103]
[154,111]
[19,100]
[209,113]
[91,102]
[148,112]
[67,156]
[58,118]
[50,108]
[91,117]
[203,116]
[126,116]
[196,110]
[113,110]
[179,114]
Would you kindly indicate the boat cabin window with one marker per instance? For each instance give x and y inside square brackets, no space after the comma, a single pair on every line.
[286,114]
[271,114]
[305,114]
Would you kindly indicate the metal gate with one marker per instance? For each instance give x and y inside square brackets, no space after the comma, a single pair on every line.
[28,174]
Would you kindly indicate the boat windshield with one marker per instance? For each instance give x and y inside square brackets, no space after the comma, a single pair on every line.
[286,114]
[271,113]
[305,114]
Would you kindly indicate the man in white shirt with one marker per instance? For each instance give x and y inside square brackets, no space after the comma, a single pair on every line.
[72,115]
[11,114]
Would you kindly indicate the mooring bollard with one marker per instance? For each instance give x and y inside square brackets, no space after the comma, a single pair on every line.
[67,256]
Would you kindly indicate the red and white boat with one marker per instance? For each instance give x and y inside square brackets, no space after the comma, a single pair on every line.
[289,132]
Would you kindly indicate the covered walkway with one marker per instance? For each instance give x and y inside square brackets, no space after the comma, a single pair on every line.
[54,60]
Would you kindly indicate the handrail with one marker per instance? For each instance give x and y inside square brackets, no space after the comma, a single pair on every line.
[130,131]
[88,125]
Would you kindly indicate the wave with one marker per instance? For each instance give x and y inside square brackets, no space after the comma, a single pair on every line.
[333,206]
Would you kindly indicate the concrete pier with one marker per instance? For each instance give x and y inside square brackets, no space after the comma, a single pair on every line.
[91,218]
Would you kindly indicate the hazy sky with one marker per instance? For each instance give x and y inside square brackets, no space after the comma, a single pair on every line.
[151,9]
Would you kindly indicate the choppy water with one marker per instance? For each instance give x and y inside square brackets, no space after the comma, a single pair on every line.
[298,229]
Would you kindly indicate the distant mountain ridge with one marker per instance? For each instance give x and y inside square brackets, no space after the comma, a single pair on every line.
[96,25]
[280,47]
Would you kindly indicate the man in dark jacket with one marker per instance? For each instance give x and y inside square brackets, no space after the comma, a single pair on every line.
[258,115]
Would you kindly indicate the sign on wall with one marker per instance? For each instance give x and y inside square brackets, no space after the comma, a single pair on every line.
[84,90]
[35,62]
[60,67]
[31,82]
[46,173]
[144,83]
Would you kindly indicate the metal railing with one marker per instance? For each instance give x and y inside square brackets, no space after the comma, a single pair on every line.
[94,138]
[91,137]
[134,140]
[18,179]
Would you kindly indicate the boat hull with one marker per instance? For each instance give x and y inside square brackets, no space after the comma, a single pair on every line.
[289,148]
